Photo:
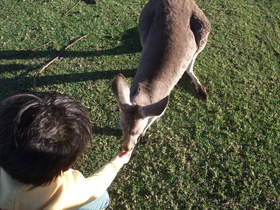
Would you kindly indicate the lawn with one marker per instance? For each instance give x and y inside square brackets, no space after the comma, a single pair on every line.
[222,153]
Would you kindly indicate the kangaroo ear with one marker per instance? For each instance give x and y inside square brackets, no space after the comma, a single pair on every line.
[154,109]
[121,91]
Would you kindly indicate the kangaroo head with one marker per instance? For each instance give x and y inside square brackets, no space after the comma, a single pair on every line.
[134,119]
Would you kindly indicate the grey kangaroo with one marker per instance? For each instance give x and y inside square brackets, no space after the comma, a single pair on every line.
[172,34]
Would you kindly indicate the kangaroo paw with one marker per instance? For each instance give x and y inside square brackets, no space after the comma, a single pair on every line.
[202,92]
[141,139]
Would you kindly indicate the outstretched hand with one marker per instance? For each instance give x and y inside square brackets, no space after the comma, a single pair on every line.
[125,155]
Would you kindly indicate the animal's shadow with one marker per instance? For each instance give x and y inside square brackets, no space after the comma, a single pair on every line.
[106,131]
[130,44]
[89,1]
[21,81]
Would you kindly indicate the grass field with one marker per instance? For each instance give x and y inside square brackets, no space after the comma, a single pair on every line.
[222,153]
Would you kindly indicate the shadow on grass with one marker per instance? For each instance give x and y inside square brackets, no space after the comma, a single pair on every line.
[18,84]
[21,82]
[106,131]
[186,84]
[90,1]
[130,44]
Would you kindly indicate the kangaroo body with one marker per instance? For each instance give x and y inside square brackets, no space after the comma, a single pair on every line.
[172,34]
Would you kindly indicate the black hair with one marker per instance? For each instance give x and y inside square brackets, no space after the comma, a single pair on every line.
[41,135]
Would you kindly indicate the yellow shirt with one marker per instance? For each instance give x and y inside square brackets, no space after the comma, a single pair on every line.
[69,191]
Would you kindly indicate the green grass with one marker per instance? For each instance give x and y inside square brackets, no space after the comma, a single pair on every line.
[222,153]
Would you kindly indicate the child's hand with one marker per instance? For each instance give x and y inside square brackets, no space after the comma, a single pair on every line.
[125,156]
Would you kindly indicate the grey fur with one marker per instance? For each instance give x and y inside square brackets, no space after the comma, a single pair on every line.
[172,34]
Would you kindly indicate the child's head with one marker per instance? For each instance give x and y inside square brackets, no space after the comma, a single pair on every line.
[41,135]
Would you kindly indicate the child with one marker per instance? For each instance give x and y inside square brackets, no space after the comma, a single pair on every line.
[41,136]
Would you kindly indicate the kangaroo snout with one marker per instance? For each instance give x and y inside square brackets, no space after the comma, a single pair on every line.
[128,145]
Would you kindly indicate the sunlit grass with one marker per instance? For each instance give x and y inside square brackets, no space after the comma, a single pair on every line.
[220,153]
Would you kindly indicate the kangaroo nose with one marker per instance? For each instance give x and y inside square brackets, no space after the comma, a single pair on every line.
[125,149]
[125,146]
[128,146]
